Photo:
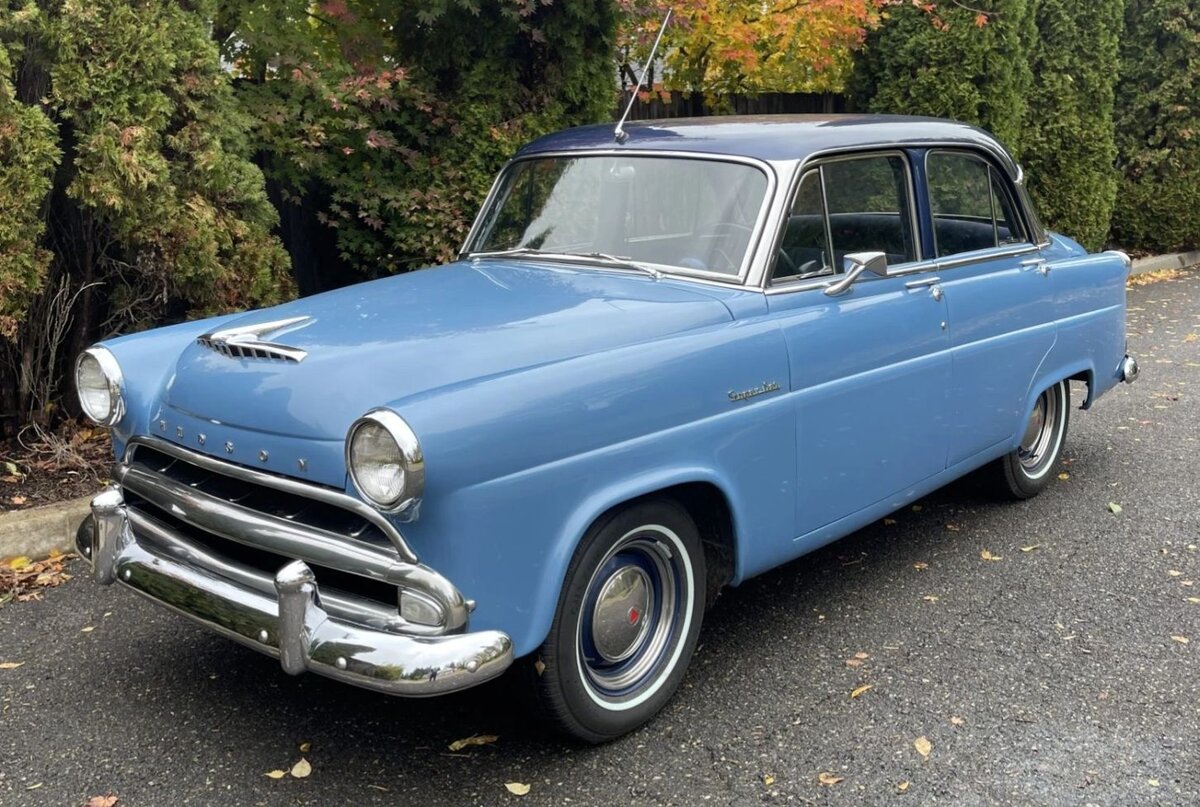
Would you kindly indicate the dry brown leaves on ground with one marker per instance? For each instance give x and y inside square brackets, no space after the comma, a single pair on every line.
[42,466]
[1147,278]
[22,579]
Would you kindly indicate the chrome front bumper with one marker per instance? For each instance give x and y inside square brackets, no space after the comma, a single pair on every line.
[291,625]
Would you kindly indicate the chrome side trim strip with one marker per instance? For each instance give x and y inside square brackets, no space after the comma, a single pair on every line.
[304,489]
[914,268]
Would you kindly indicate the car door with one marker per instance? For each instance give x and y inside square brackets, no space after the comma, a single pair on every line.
[869,366]
[999,297]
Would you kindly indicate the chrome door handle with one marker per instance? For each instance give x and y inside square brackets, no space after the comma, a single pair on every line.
[922,283]
[1037,264]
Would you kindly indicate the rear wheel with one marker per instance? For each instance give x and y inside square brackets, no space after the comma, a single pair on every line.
[627,623]
[1025,472]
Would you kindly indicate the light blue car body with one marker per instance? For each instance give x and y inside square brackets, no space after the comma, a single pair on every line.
[544,394]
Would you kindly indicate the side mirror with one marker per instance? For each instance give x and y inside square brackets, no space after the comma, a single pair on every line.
[854,265]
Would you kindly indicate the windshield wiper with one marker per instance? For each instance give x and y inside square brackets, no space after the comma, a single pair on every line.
[617,260]
[599,257]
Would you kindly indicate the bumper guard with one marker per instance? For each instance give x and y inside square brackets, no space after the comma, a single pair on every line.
[292,626]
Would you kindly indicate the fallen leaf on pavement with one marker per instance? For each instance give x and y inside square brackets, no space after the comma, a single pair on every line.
[986,555]
[916,508]
[902,787]
[1114,508]
[860,690]
[920,567]
[1174,573]
[888,522]
[768,779]
[302,768]
[1192,600]
[18,563]
[18,500]
[10,665]
[1152,782]
[1180,639]
[276,774]
[88,629]
[305,747]
[1064,476]
[516,788]
[102,801]
[828,779]
[1031,548]
[953,527]
[475,739]
[956,720]
[930,598]
[923,746]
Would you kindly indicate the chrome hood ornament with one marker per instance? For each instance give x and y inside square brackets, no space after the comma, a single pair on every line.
[247,341]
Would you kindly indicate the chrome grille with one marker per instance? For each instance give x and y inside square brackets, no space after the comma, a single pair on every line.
[292,507]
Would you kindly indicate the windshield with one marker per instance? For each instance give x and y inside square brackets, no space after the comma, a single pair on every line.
[673,212]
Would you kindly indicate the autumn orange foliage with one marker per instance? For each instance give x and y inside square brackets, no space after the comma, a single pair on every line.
[721,47]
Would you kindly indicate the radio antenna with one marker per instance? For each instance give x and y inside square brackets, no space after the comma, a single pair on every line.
[619,133]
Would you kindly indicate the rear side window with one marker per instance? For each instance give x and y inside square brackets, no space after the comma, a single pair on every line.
[862,204]
[971,205]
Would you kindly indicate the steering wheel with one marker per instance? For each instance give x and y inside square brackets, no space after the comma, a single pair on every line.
[784,265]
[726,230]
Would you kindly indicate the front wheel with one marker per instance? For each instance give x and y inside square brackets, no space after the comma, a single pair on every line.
[627,623]
[1025,472]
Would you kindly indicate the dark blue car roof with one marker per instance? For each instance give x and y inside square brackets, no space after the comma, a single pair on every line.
[774,137]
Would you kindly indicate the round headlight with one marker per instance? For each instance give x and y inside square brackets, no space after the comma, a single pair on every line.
[385,461]
[98,382]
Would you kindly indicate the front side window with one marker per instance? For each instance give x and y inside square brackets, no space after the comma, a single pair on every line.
[863,204]
[971,207]
[673,212]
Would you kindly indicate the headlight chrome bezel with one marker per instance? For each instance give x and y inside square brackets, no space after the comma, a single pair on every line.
[412,460]
[114,381]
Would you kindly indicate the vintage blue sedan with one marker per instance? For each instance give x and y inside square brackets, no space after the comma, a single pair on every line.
[664,363]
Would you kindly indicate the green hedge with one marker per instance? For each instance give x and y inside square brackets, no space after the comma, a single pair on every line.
[1158,127]
[1039,74]
[946,65]
[1067,142]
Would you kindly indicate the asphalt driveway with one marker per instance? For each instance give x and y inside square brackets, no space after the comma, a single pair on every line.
[1064,671]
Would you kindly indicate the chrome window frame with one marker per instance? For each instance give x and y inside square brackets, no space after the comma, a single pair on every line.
[745,271]
[1014,199]
[817,161]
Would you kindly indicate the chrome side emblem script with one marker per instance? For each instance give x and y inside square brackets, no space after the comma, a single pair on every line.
[763,389]
[248,341]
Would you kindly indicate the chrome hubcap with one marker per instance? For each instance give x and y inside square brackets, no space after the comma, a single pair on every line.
[1038,443]
[631,617]
[620,617]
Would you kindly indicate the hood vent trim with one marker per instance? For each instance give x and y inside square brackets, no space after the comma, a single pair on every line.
[246,341]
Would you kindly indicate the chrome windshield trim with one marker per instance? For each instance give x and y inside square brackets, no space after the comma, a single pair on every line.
[748,260]
[305,489]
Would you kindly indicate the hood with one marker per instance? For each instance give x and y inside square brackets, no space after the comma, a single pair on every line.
[380,342]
